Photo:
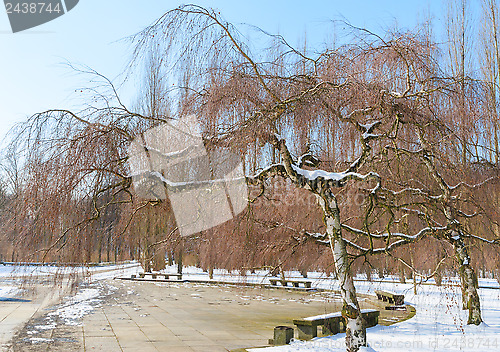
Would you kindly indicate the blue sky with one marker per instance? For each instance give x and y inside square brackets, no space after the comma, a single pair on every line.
[34,77]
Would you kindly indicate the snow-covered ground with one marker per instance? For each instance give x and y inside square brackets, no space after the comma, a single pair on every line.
[439,325]
[73,307]
[22,271]
[11,275]
[8,292]
[320,280]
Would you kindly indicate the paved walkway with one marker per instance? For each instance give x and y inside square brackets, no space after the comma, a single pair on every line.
[148,316]
[190,317]
[15,313]
[39,292]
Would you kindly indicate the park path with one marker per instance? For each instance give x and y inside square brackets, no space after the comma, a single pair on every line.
[195,317]
[38,293]
[16,312]
[181,317]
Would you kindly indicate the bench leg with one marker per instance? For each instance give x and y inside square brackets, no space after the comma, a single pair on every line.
[307,332]
[342,326]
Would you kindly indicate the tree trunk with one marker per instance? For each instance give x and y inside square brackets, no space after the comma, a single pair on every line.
[159,262]
[99,250]
[146,260]
[402,278]
[496,274]
[170,257]
[303,272]
[468,279]
[368,272]
[108,245]
[413,273]
[179,260]
[355,335]
[438,278]
[380,272]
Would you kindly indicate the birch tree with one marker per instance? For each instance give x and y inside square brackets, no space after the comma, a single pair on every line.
[436,201]
[365,88]
[379,105]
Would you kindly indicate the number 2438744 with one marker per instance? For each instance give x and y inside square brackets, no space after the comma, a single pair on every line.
[32,7]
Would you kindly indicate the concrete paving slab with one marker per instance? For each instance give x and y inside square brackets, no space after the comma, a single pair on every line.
[148,316]
[191,317]
[13,314]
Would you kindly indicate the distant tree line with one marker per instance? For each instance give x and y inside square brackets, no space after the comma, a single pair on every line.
[382,151]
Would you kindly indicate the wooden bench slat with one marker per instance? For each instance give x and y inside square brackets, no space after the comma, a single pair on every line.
[390,297]
[333,323]
[324,316]
[294,283]
[155,275]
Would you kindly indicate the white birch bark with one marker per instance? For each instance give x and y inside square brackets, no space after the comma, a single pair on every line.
[355,330]
[468,279]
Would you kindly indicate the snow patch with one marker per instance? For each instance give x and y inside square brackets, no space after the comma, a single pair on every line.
[8,292]
[77,306]
[50,326]
[35,340]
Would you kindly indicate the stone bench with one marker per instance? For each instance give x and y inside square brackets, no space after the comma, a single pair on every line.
[390,297]
[158,275]
[294,283]
[332,323]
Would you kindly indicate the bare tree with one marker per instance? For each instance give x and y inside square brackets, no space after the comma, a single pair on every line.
[372,118]
[366,90]
[491,70]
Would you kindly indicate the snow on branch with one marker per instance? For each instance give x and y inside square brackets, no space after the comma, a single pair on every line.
[266,173]
[308,159]
[189,151]
[402,238]
[339,178]
[185,185]
[257,179]
[462,214]
[474,186]
[479,238]
[368,130]
[416,192]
